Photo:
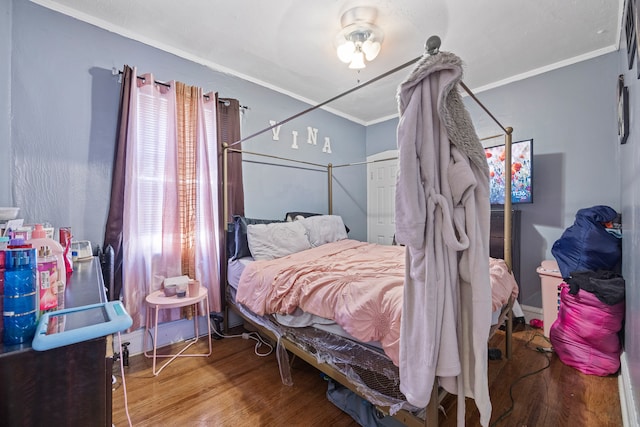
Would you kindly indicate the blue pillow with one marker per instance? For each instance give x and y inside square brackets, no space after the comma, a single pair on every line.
[231,240]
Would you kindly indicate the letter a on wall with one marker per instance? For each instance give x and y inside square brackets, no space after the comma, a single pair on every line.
[327,145]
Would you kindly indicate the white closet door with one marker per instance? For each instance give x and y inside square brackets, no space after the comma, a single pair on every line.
[381,195]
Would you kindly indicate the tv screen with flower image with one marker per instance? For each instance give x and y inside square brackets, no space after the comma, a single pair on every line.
[520,172]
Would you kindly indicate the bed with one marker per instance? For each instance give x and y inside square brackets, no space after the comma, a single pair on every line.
[333,301]
[365,365]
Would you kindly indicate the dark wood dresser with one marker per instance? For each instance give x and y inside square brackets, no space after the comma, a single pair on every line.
[65,386]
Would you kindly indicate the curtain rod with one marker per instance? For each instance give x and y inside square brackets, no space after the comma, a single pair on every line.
[226,103]
[115,71]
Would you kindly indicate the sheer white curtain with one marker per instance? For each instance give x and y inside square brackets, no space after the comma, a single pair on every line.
[152,234]
[208,211]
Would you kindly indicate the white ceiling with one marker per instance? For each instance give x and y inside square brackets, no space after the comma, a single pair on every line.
[287,45]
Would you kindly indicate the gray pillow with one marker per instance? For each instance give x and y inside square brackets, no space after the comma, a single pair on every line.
[324,229]
[275,240]
[241,248]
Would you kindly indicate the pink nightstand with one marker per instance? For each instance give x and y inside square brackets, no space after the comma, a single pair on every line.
[157,301]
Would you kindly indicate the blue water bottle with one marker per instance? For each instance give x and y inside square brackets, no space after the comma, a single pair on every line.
[21,303]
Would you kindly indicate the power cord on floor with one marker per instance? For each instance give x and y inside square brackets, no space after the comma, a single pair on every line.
[248,335]
[124,384]
[542,350]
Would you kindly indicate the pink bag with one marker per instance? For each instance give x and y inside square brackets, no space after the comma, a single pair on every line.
[585,335]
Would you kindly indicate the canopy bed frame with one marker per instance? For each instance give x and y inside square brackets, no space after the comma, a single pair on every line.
[409,418]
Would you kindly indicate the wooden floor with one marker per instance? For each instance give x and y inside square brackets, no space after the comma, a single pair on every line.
[234,387]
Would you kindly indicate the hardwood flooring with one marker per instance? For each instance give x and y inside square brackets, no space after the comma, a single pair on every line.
[234,387]
[557,395]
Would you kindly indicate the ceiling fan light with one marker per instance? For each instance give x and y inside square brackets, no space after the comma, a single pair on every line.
[370,49]
[357,62]
[359,38]
[345,51]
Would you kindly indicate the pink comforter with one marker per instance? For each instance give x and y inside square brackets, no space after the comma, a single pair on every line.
[358,285]
[503,284]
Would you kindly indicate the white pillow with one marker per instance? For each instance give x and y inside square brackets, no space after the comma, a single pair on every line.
[275,240]
[324,229]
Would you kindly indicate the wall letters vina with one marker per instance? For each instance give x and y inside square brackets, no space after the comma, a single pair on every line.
[312,137]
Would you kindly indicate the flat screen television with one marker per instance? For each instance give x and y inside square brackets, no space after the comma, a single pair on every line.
[520,173]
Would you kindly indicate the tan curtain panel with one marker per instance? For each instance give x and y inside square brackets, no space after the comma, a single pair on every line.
[187,112]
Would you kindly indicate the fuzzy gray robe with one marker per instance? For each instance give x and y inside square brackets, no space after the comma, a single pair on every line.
[442,216]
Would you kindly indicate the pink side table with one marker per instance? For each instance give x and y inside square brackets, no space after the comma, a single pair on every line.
[157,301]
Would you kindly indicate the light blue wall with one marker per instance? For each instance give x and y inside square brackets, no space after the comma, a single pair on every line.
[64,105]
[64,101]
[629,161]
[5,104]
[382,137]
[298,188]
[570,114]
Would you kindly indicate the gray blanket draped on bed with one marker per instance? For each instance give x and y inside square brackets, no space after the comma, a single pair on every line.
[442,216]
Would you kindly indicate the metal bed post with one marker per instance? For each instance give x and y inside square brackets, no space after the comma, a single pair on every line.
[507,255]
[431,414]
[508,259]
[507,199]
[330,187]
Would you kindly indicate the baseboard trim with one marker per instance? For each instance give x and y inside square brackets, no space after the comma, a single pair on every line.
[531,312]
[168,333]
[627,405]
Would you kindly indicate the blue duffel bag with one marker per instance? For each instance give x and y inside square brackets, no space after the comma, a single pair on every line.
[588,244]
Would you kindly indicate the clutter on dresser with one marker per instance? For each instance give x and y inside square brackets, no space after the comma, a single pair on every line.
[35,267]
